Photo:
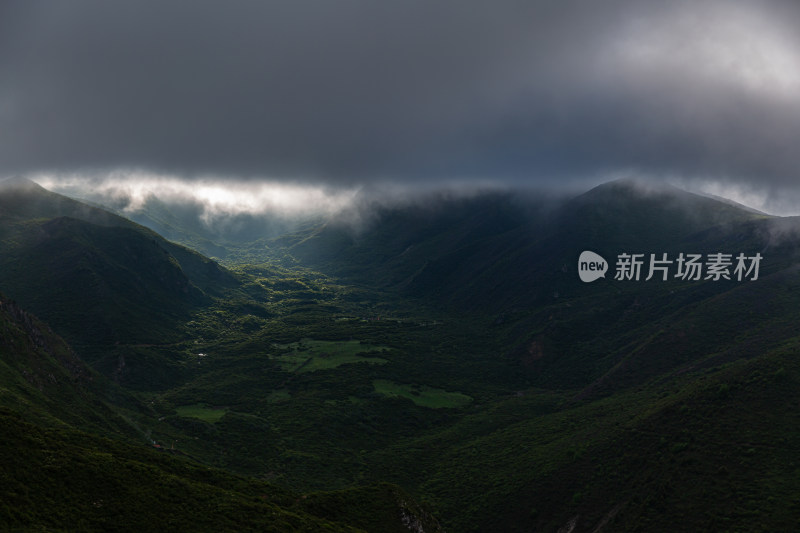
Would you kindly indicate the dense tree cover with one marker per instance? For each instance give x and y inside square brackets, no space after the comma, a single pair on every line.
[451,352]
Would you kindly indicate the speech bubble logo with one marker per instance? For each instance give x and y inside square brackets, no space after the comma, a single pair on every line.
[591,266]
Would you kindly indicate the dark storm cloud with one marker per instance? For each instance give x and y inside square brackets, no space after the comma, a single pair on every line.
[348,92]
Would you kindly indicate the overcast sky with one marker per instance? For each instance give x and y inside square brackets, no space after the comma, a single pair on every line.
[350,93]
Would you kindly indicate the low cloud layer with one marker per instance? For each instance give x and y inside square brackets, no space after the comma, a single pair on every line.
[220,203]
[214,200]
[342,95]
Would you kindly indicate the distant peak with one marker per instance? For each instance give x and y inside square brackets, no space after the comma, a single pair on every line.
[640,188]
[630,188]
[626,195]
[640,185]
[19,183]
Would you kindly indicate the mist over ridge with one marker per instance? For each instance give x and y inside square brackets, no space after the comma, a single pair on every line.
[224,207]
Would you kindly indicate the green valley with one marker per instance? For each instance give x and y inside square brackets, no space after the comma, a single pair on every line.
[444,367]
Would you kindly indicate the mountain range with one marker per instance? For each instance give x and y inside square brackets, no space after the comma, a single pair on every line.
[441,367]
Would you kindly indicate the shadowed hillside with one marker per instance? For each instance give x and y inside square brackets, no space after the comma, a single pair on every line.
[450,348]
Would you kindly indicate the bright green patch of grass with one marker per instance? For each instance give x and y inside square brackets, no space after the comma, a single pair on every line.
[422,395]
[208,414]
[310,355]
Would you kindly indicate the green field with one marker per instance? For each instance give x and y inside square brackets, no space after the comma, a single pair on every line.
[208,414]
[422,395]
[309,355]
